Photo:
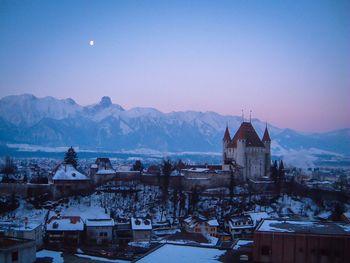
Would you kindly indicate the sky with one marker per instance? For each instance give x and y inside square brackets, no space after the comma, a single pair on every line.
[287,61]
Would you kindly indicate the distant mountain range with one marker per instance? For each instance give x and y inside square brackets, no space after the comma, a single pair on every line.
[26,119]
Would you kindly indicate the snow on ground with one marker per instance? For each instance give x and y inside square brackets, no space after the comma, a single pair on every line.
[174,253]
[55,255]
[24,210]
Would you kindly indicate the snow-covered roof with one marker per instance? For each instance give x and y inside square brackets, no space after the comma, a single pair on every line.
[213,222]
[257,216]
[99,222]
[181,253]
[94,166]
[241,243]
[347,214]
[196,170]
[141,224]
[65,223]
[6,225]
[305,227]
[105,171]
[68,172]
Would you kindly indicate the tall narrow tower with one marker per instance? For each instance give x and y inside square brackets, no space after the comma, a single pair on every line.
[226,141]
[267,143]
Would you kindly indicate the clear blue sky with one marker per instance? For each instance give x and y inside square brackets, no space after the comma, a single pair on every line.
[288,61]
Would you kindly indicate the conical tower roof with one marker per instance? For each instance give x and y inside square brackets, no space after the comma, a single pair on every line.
[227,136]
[266,137]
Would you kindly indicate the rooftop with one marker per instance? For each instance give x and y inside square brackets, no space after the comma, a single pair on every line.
[180,253]
[8,242]
[247,132]
[65,223]
[99,222]
[68,172]
[141,224]
[304,227]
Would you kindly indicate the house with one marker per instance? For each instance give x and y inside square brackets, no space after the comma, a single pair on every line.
[68,180]
[17,250]
[102,171]
[301,242]
[99,231]
[240,226]
[257,217]
[141,229]
[248,151]
[200,224]
[65,230]
[123,232]
[25,229]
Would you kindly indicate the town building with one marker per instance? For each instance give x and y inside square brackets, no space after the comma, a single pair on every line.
[99,231]
[123,232]
[243,226]
[17,250]
[301,242]
[64,230]
[248,151]
[200,224]
[240,226]
[68,180]
[141,229]
[102,171]
[25,229]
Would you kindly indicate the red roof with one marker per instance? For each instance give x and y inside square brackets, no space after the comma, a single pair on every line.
[227,136]
[73,219]
[247,132]
[266,137]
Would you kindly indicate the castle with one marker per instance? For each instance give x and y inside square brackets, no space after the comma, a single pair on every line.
[248,151]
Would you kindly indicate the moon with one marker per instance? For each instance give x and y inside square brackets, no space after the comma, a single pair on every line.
[92,43]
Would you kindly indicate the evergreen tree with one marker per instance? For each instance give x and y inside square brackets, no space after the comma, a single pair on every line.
[9,167]
[167,168]
[194,198]
[338,210]
[232,182]
[281,173]
[175,201]
[138,166]
[274,171]
[71,157]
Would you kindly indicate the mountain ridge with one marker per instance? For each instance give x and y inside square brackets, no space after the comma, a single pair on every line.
[60,122]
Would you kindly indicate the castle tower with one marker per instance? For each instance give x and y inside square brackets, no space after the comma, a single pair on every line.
[226,141]
[267,143]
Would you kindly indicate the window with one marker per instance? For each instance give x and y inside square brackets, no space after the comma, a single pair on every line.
[265,250]
[15,256]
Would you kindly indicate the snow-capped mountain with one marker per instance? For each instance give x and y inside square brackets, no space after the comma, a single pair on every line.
[26,119]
